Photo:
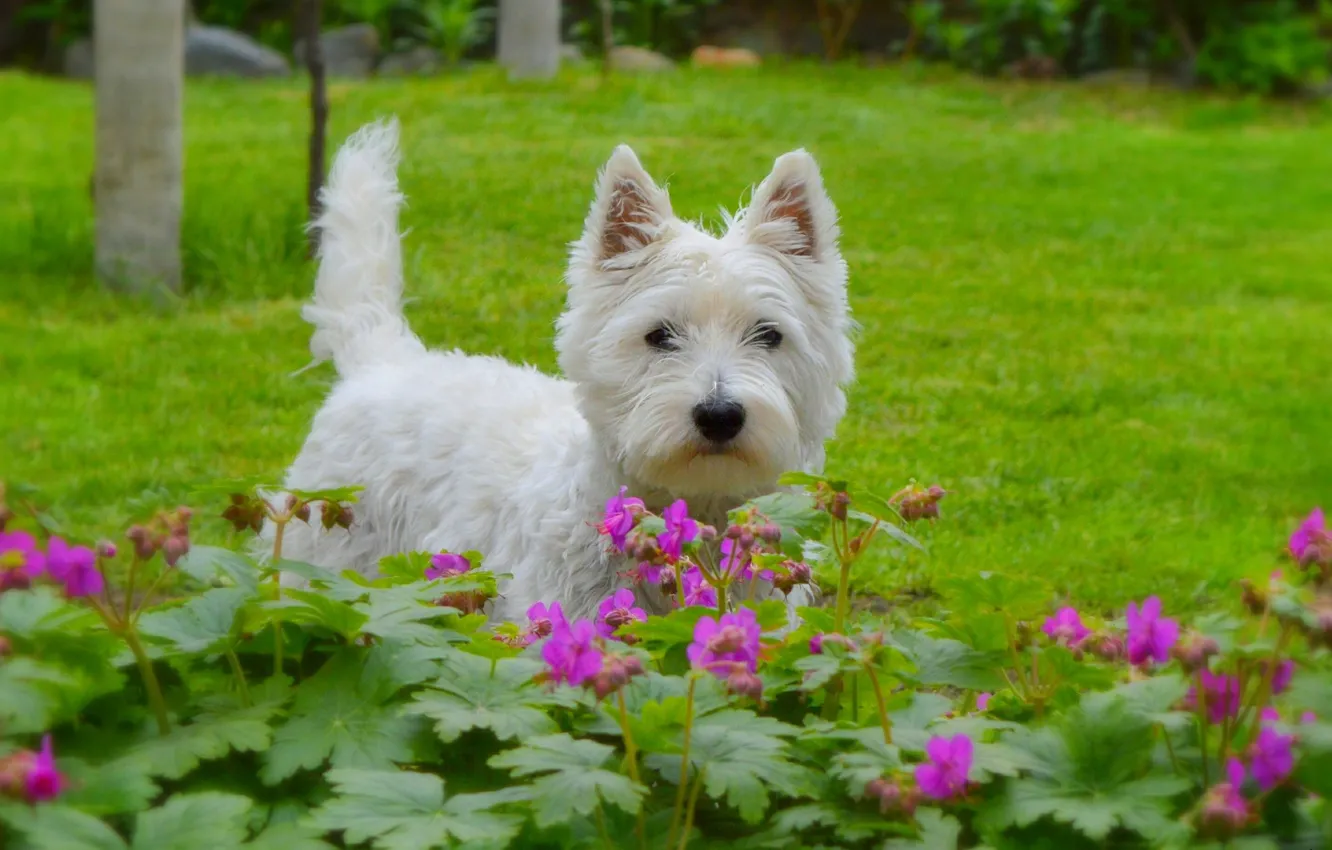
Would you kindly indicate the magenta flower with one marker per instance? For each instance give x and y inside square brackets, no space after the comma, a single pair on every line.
[571,652]
[616,610]
[1307,541]
[75,567]
[680,529]
[446,565]
[622,513]
[43,781]
[736,561]
[944,775]
[19,551]
[983,700]
[1150,636]
[1066,627]
[735,637]
[1222,692]
[1308,717]
[1285,671]
[541,621]
[697,590]
[1224,810]
[1272,759]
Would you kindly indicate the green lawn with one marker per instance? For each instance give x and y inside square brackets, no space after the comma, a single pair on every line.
[1101,319]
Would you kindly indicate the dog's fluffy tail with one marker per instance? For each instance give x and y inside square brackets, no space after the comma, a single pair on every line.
[357,305]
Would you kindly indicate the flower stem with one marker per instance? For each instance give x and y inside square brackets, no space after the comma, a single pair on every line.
[281,524]
[601,828]
[1202,726]
[689,813]
[631,753]
[150,682]
[129,585]
[684,765]
[1170,748]
[241,684]
[721,599]
[883,706]
[843,584]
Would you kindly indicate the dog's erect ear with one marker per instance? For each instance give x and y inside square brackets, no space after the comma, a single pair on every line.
[791,212]
[629,213]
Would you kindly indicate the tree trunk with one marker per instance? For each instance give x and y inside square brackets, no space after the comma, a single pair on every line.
[139,57]
[314,62]
[529,37]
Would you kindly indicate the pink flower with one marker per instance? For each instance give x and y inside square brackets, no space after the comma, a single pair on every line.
[1272,759]
[680,529]
[43,781]
[75,567]
[622,513]
[1222,692]
[1224,810]
[571,652]
[616,610]
[735,637]
[1309,542]
[1308,717]
[1066,627]
[944,775]
[1269,714]
[1150,636]
[1285,671]
[737,561]
[19,551]
[541,621]
[697,590]
[446,565]
[983,700]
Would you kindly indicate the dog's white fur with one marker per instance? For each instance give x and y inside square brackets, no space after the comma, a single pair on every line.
[461,452]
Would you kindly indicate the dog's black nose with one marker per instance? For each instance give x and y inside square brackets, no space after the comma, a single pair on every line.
[719,421]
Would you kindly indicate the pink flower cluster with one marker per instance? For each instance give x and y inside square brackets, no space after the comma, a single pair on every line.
[31,777]
[73,567]
[728,648]
[576,654]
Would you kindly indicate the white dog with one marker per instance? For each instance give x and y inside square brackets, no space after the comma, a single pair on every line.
[697,367]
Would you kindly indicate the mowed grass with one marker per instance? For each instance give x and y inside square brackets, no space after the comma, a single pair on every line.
[1102,320]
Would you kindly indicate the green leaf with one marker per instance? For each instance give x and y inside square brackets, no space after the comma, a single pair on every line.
[406,612]
[59,827]
[572,778]
[206,624]
[743,755]
[187,820]
[42,613]
[117,786]
[341,715]
[398,810]
[210,563]
[1141,805]
[329,494]
[938,831]
[311,608]
[661,634]
[795,514]
[289,836]
[942,661]
[800,479]
[470,696]
[32,694]
[211,736]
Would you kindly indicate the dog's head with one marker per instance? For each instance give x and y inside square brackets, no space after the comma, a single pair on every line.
[708,364]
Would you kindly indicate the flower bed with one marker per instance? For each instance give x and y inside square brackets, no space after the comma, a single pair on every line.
[388,713]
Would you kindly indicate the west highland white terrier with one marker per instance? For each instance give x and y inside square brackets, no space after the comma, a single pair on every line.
[697,367]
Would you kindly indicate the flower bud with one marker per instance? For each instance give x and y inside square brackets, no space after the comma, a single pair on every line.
[746,540]
[1194,650]
[707,532]
[175,548]
[743,683]
[616,671]
[733,531]
[916,503]
[1254,598]
[892,797]
[5,647]
[1107,647]
[770,533]
[303,512]
[839,505]
[292,503]
[145,542]
[669,585]
[15,579]
[106,549]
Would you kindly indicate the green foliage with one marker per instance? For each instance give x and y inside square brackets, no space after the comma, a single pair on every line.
[452,26]
[1270,48]
[399,722]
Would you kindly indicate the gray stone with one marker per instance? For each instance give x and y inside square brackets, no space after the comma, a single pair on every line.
[349,51]
[628,58]
[571,54]
[420,61]
[78,59]
[220,52]
[1319,91]
[1119,78]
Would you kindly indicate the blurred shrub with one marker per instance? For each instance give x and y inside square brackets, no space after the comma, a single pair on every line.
[452,26]
[667,26]
[1265,47]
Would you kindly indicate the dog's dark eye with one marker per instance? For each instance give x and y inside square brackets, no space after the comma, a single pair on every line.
[661,338]
[766,335]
